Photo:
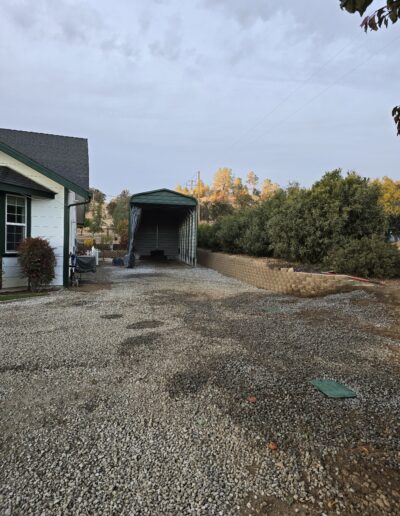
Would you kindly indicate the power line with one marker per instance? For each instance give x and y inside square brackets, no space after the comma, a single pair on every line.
[289,95]
[343,76]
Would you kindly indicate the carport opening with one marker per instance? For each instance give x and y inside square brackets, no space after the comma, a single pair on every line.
[163,226]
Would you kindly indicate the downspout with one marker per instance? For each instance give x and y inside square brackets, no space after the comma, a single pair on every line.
[79,203]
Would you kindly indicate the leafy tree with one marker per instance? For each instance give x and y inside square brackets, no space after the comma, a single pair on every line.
[122,231]
[252,181]
[368,257]
[122,207]
[222,184]
[200,190]
[98,196]
[268,189]
[308,223]
[390,201]
[111,207]
[374,21]
[97,220]
[182,189]
[228,232]
[241,195]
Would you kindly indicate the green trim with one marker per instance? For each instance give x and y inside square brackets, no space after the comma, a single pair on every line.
[22,190]
[28,217]
[66,240]
[44,170]
[2,231]
[164,196]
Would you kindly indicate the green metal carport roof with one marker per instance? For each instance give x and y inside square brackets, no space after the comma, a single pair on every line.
[164,196]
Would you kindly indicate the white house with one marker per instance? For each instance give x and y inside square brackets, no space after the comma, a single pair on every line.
[44,183]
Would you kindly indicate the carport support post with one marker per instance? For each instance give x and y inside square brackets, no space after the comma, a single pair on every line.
[187,240]
[193,257]
[190,238]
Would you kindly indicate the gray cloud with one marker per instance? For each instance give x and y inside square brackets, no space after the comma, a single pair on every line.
[170,46]
[70,22]
[162,88]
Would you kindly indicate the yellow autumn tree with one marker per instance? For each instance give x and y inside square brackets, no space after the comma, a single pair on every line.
[252,181]
[390,195]
[222,184]
[241,194]
[268,189]
[201,189]
[390,201]
[182,189]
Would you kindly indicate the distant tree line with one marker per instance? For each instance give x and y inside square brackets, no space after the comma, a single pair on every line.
[343,223]
[227,193]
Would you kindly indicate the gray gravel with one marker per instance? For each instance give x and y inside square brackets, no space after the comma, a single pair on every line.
[131,398]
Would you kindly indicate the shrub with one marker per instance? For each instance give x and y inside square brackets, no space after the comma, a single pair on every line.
[228,231]
[369,257]
[205,236]
[37,260]
[308,223]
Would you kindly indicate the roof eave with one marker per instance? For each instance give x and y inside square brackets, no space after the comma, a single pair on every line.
[45,171]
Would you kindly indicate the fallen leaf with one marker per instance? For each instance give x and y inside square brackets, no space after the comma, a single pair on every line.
[251,399]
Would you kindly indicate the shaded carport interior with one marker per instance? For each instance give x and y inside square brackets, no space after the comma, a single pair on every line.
[163,223]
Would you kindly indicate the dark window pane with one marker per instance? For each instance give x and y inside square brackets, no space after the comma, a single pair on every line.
[20,215]
[11,213]
[14,236]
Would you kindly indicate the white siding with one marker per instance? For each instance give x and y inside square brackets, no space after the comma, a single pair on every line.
[47,222]
[12,276]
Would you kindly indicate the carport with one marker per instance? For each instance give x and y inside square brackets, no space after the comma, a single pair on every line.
[162,225]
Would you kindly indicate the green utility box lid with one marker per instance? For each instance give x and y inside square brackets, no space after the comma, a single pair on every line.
[333,389]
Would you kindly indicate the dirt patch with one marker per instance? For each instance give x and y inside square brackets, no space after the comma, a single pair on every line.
[143,325]
[111,316]
[361,468]
[271,506]
[186,383]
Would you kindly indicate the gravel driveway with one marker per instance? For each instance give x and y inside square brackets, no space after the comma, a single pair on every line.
[131,396]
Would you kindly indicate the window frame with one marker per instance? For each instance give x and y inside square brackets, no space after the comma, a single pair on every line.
[6,224]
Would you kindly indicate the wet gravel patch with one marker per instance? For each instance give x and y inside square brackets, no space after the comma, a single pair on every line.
[143,325]
[130,346]
[183,384]
[148,413]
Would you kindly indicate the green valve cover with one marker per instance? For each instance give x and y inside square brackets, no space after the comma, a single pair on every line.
[333,389]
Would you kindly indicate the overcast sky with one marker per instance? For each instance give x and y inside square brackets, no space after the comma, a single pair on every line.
[163,88]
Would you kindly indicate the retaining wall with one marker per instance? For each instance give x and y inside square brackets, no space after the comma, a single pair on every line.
[256,272]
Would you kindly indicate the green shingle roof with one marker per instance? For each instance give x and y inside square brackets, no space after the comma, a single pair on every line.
[163,196]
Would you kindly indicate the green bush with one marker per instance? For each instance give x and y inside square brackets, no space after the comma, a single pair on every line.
[369,257]
[228,232]
[315,225]
[205,236]
[37,261]
[308,223]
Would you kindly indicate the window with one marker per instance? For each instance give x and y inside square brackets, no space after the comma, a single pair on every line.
[15,222]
